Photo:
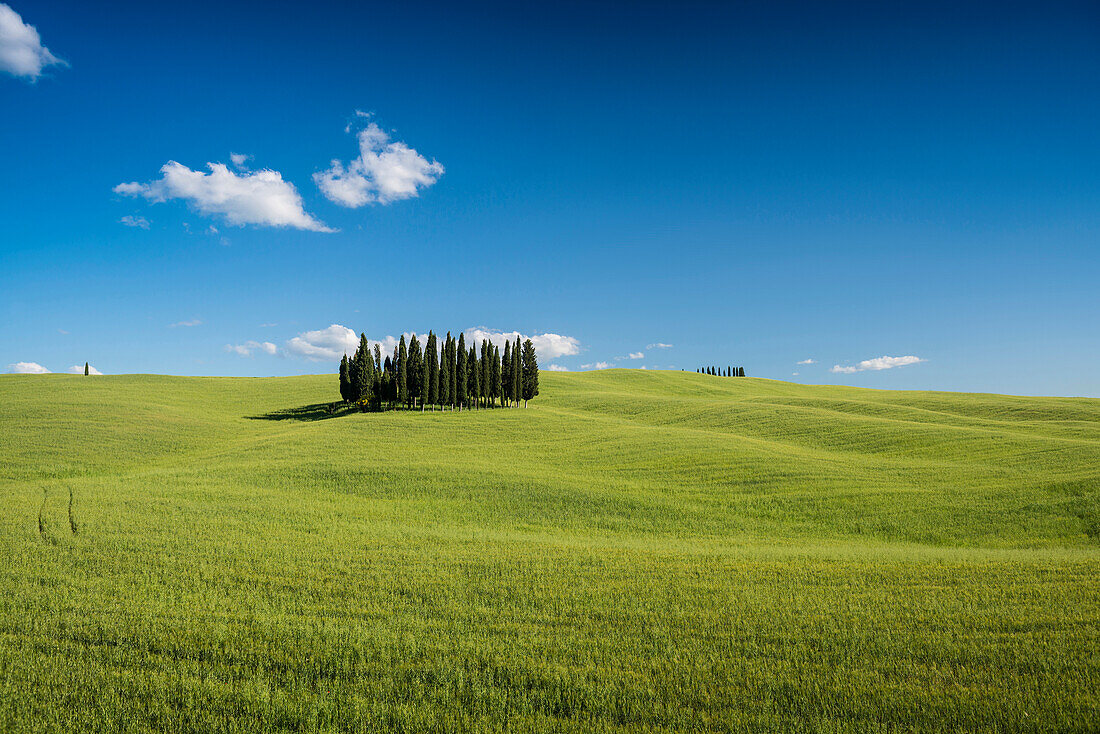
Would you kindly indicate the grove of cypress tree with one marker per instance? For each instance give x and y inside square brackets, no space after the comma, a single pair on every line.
[530,372]
[460,372]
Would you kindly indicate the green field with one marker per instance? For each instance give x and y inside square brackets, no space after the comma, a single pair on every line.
[637,551]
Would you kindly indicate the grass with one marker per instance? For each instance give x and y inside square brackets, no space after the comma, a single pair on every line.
[636,551]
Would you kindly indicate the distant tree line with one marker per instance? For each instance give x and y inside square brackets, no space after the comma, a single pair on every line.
[441,373]
[730,371]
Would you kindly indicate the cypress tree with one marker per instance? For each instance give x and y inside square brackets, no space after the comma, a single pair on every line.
[365,370]
[445,373]
[530,372]
[460,372]
[85,369]
[517,373]
[497,378]
[452,373]
[425,378]
[474,382]
[415,360]
[402,372]
[506,373]
[345,385]
[740,371]
[486,372]
[353,377]
[433,370]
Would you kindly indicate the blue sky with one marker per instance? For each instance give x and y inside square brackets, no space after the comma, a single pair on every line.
[754,184]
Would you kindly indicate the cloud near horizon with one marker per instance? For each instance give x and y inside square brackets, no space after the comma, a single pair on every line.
[807,361]
[547,346]
[384,172]
[262,198]
[27,368]
[21,51]
[596,366]
[658,345]
[878,363]
[246,349]
[78,369]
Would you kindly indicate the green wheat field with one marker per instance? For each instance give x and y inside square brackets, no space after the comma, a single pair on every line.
[636,551]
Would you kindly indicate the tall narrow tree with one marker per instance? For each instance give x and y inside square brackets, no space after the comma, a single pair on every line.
[474,382]
[415,360]
[497,378]
[402,372]
[506,373]
[433,370]
[85,369]
[517,373]
[425,379]
[461,372]
[530,372]
[345,384]
[445,373]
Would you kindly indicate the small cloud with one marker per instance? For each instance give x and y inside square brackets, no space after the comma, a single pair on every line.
[807,361]
[78,369]
[62,331]
[596,366]
[211,230]
[794,374]
[384,172]
[131,221]
[27,368]
[636,355]
[192,322]
[878,363]
[658,345]
[246,349]
[557,368]
[262,198]
[21,50]
[266,326]
[239,159]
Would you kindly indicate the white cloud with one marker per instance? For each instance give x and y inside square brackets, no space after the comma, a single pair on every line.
[658,345]
[131,221]
[547,346]
[262,198]
[190,322]
[324,345]
[78,369]
[557,368]
[878,363]
[596,366]
[636,355]
[239,159]
[246,349]
[62,331]
[28,368]
[384,172]
[21,49]
[807,361]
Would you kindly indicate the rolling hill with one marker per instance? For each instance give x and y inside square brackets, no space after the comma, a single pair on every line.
[636,551]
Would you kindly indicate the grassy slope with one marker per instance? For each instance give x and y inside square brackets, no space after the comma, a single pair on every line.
[636,551]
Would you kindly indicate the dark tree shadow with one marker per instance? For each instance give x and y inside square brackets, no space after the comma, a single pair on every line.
[315,412]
